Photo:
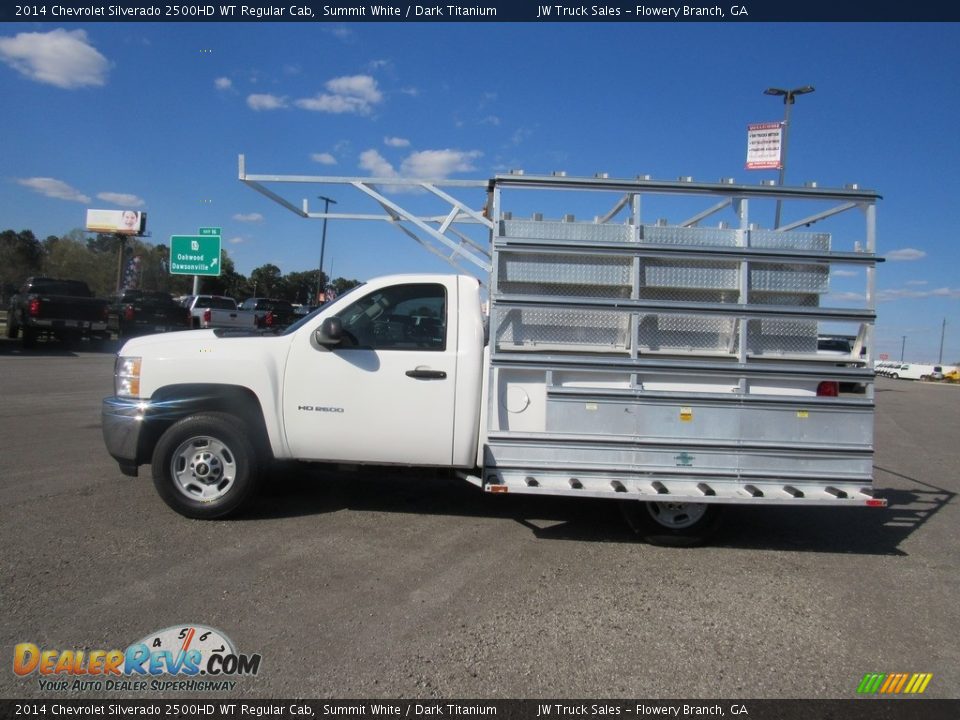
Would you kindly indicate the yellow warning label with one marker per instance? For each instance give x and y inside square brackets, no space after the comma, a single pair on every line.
[686,414]
[803,414]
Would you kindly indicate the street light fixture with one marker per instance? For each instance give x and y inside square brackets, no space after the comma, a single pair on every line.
[789,98]
[323,241]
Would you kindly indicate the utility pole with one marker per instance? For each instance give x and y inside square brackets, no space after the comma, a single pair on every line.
[323,241]
[943,330]
[789,97]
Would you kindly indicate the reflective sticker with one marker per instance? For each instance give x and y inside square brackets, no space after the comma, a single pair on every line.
[803,414]
[686,414]
[591,406]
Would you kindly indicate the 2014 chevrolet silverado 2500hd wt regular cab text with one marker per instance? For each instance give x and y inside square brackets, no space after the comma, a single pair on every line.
[674,368]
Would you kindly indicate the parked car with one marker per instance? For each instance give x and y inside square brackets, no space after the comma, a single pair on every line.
[63,309]
[136,312]
[269,312]
[216,311]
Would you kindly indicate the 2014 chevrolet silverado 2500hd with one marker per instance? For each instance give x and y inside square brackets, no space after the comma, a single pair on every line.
[672,367]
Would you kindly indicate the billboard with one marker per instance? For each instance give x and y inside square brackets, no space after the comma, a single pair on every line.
[763,145]
[124,222]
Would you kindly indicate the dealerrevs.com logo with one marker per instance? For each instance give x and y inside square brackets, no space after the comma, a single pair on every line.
[185,657]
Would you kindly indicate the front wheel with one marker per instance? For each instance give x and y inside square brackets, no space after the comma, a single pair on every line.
[672,524]
[205,467]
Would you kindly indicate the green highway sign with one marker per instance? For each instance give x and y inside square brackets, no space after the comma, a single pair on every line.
[211,231]
[194,254]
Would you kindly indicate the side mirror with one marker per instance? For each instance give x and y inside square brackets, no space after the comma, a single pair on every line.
[329,333]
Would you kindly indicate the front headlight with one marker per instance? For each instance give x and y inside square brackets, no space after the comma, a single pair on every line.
[126,377]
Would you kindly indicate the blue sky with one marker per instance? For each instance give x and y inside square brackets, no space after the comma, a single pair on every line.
[153,117]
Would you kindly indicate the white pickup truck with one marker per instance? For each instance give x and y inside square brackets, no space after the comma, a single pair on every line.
[217,311]
[666,366]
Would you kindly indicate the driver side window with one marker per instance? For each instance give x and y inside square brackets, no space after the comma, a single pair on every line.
[400,317]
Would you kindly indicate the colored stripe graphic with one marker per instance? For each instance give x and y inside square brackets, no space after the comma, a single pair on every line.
[894,683]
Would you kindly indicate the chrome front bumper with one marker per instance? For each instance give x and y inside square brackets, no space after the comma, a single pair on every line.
[123,423]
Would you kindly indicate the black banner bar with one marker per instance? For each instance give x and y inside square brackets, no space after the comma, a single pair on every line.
[341,11]
[230,709]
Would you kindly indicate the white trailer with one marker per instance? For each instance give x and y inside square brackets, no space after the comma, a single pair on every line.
[671,366]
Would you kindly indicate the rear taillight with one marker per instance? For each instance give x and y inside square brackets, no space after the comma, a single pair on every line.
[207,316]
[128,312]
[828,388]
[34,307]
[268,319]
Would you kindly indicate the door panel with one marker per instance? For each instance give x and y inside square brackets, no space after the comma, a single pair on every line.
[386,393]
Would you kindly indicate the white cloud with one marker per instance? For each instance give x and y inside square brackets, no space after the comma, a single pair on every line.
[236,240]
[423,165]
[356,94]
[249,217]
[262,101]
[905,254]
[122,199]
[917,282]
[223,83]
[411,91]
[374,163]
[323,158]
[904,294]
[490,120]
[845,273]
[438,163]
[51,187]
[63,58]
[396,142]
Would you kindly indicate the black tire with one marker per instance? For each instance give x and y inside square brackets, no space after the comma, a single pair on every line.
[672,524]
[205,466]
[29,339]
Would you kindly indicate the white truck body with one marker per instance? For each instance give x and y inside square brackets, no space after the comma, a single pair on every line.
[676,365]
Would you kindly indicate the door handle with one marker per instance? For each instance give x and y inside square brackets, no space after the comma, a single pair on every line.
[427,374]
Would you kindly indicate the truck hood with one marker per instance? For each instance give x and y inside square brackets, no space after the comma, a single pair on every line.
[233,344]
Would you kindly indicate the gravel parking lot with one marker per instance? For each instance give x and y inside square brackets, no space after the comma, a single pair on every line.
[414,584]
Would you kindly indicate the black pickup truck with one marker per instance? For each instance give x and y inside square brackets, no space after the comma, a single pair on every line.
[138,312]
[64,309]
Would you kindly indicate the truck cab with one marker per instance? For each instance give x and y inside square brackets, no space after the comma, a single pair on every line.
[390,373]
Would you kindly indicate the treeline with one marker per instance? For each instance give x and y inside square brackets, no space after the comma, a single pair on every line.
[98,261]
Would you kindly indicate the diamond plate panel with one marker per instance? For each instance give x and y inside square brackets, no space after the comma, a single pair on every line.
[790,278]
[686,332]
[573,275]
[673,235]
[817,242]
[771,336]
[695,274]
[575,231]
[559,328]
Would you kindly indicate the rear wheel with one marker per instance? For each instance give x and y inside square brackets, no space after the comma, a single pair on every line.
[205,466]
[673,524]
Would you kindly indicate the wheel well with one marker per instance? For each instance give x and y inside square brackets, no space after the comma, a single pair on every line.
[173,402]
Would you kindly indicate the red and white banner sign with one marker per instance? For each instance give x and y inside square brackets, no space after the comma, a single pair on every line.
[764,141]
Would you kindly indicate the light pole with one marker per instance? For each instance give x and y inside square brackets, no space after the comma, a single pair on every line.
[789,97]
[903,346]
[323,240]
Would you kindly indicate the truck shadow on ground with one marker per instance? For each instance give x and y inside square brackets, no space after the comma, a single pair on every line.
[302,489]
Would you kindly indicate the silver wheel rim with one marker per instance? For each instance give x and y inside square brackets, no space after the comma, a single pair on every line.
[677,515]
[203,468]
